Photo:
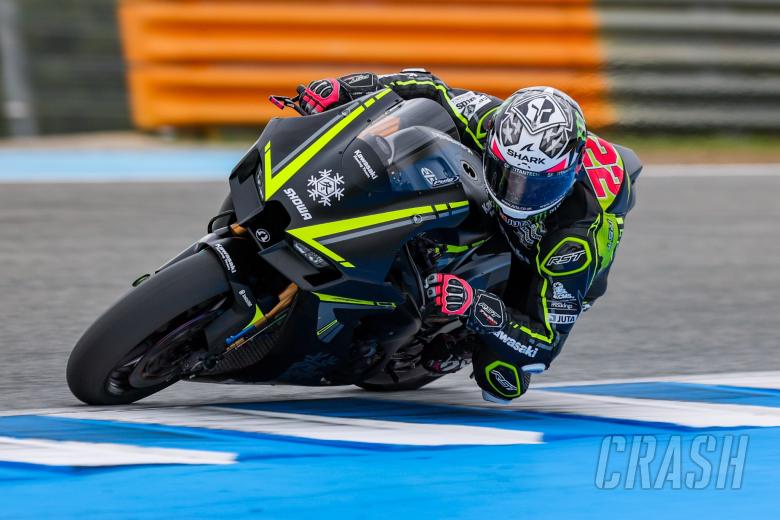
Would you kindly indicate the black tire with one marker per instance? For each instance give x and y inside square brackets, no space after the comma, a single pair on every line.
[135,317]
[412,380]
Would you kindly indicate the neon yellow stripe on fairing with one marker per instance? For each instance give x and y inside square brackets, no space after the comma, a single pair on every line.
[326,327]
[256,318]
[275,180]
[352,301]
[310,234]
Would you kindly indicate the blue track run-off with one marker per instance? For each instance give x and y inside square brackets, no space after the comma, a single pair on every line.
[94,165]
[631,449]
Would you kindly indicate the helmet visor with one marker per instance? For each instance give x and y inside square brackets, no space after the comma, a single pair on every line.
[526,193]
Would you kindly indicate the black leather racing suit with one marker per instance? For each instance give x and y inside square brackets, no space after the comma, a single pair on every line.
[561,260]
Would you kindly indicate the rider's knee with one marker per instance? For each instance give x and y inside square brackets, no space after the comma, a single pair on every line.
[500,380]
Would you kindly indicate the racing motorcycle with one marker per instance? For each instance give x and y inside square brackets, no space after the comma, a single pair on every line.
[312,272]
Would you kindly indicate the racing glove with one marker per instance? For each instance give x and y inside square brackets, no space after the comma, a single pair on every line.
[322,94]
[483,312]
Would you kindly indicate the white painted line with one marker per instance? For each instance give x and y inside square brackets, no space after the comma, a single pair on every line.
[765,380]
[459,391]
[318,427]
[769,379]
[89,454]
[681,413]
[710,170]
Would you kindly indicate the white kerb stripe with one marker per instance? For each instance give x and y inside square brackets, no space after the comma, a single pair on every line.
[683,413]
[92,454]
[319,427]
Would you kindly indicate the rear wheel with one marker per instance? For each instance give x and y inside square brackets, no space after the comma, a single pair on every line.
[137,347]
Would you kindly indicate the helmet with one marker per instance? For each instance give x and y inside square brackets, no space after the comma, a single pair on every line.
[534,151]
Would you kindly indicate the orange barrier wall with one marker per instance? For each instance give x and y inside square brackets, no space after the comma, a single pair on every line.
[207,63]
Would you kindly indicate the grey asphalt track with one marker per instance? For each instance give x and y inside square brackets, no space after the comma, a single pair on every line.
[695,287]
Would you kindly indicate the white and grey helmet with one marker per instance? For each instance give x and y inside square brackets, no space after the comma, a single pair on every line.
[534,151]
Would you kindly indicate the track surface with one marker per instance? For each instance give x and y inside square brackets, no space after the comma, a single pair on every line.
[693,291]
[694,288]
[694,446]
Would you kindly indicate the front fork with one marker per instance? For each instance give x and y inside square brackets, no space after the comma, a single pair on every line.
[247,313]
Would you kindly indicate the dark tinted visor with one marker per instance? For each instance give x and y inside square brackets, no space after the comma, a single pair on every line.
[526,191]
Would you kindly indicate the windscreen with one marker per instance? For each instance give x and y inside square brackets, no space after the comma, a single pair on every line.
[411,145]
[414,112]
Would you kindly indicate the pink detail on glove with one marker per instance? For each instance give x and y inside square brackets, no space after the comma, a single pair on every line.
[454,295]
[316,102]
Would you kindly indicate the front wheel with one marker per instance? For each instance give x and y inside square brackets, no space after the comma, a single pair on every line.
[133,349]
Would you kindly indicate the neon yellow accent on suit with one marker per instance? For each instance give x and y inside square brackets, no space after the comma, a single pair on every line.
[588,257]
[446,95]
[607,239]
[550,337]
[481,132]
[504,393]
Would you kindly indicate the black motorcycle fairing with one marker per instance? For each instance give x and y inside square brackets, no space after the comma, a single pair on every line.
[300,359]
[289,134]
[488,271]
[376,180]
[335,204]
[341,208]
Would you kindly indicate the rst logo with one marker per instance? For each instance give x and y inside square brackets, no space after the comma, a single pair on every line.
[565,259]
[604,167]
[503,381]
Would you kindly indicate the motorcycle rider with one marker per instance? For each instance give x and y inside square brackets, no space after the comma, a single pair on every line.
[560,194]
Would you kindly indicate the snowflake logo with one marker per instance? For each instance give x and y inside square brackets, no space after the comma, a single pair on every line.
[326,186]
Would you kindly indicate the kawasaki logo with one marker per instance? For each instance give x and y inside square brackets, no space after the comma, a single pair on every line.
[503,381]
[220,249]
[364,165]
[516,345]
